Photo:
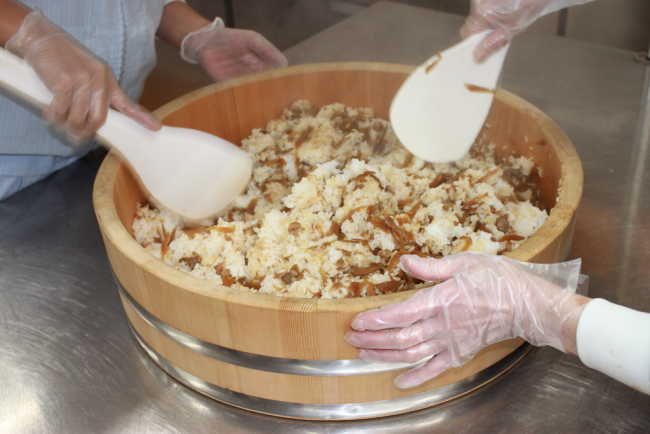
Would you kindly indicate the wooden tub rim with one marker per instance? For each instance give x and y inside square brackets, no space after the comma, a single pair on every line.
[109,221]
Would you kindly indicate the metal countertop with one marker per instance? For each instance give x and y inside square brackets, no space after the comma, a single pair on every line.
[68,362]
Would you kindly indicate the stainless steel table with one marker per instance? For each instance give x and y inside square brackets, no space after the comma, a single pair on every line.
[69,364]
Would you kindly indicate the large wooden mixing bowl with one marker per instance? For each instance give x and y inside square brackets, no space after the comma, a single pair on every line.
[287,356]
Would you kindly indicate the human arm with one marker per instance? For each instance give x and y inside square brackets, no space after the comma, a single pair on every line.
[224,53]
[505,19]
[615,340]
[178,21]
[484,299]
[11,15]
[83,85]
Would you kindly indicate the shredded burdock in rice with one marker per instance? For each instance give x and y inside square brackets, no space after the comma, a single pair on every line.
[336,200]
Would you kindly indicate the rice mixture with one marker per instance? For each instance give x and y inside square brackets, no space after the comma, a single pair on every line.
[335,200]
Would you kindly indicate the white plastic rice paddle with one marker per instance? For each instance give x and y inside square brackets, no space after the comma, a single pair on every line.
[192,173]
[440,109]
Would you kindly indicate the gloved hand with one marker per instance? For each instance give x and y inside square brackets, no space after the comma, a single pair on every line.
[227,53]
[82,84]
[506,18]
[483,299]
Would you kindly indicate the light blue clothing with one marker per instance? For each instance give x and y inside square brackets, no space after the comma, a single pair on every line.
[41,166]
[122,32]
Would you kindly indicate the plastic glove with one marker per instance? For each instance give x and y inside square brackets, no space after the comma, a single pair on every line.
[483,299]
[507,18]
[227,53]
[82,84]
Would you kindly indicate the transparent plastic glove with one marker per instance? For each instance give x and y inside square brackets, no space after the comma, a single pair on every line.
[83,85]
[506,18]
[483,299]
[227,53]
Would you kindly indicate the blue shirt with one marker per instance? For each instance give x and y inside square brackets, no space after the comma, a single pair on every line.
[122,32]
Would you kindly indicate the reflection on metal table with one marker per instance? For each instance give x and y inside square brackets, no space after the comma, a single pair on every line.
[68,362]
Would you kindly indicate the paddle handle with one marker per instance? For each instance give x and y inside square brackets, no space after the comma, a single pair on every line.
[17,77]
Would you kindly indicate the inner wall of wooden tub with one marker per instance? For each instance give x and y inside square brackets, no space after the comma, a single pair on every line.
[126,196]
[234,112]
[518,133]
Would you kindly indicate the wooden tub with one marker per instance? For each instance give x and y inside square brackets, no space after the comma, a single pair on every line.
[286,356]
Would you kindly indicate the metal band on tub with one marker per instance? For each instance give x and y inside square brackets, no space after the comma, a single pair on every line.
[335,411]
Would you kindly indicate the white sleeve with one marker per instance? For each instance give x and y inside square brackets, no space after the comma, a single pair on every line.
[615,340]
[169,1]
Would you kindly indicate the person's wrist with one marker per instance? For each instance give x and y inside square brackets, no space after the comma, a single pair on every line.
[570,323]
[194,42]
[193,24]
[35,28]
[12,15]
[27,33]
[178,21]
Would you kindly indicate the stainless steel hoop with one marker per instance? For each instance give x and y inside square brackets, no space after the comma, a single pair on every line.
[335,411]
